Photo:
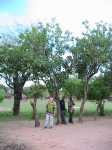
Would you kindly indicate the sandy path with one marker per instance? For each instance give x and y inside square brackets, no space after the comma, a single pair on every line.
[89,135]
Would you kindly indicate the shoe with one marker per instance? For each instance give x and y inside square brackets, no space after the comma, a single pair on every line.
[64,123]
[71,122]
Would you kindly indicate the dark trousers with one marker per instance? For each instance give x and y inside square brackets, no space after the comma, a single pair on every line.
[70,117]
[63,120]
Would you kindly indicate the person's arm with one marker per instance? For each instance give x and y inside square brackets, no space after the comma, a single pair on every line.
[69,107]
[54,107]
[46,107]
[64,105]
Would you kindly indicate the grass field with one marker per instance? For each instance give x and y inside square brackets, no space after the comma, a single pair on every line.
[26,110]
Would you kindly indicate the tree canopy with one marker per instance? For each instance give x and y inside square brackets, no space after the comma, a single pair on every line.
[44,52]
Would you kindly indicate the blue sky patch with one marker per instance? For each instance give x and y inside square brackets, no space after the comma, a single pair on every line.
[17,7]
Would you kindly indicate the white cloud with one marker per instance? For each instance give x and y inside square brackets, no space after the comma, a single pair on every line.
[69,13]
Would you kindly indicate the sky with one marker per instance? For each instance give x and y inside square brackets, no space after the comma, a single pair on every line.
[68,13]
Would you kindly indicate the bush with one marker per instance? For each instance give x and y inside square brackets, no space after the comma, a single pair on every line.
[2,94]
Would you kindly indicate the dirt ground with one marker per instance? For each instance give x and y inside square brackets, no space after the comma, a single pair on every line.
[89,135]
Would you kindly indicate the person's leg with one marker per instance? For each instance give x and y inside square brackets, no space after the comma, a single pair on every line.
[70,117]
[51,121]
[47,121]
[63,117]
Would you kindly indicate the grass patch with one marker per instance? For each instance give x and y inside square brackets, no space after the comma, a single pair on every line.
[26,110]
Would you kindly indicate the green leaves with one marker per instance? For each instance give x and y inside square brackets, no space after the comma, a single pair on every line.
[98,89]
[38,53]
[90,51]
[73,87]
[54,72]
[35,91]
[21,56]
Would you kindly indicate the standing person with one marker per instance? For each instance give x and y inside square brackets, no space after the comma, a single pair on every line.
[50,112]
[62,110]
[71,109]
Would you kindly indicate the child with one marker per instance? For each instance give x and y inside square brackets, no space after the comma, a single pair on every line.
[50,112]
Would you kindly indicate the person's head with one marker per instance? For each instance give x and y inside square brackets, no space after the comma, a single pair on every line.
[62,98]
[51,99]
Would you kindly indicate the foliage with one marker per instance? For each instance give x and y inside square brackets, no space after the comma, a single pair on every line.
[17,60]
[108,76]
[14,62]
[38,53]
[91,49]
[90,54]
[98,89]
[73,87]
[35,91]
[57,67]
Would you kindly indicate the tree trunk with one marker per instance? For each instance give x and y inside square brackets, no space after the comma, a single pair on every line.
[58,112]
[33,105]
[37,122]
[35,116]
[83,100]
[97,110]
[34,112]
[101,108]
[18,89]
[71,109]
[58,107]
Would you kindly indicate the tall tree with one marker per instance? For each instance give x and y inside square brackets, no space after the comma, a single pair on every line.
[15,69]
[55,68]
[34,93]
[99,91]
[89,54]
[107,69]
[17,60]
